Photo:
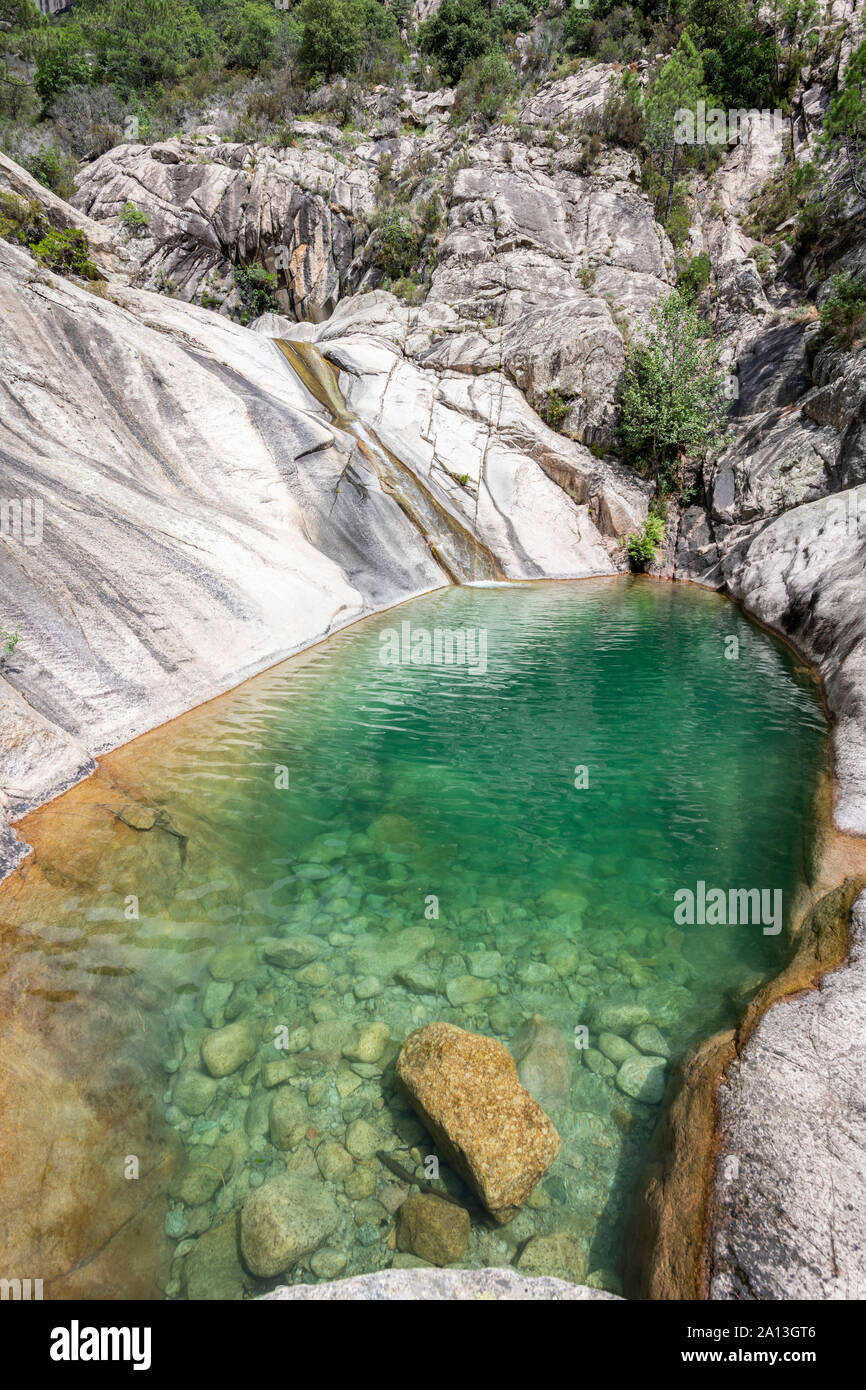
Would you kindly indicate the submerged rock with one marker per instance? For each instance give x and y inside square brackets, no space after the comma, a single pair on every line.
[559,1254]
[433,1229]
[466,1090]
[544,1060]
[643,1078]
[287,1218]
[228,1048]
[213,1269]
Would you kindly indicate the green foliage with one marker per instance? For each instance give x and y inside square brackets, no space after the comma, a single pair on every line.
[671,392]
[643,545]
[54,170]
[843,312]
[678,86]
[459,32]
[258,291]
[554,411]
[845,125]
[485,87]
[332,37]
[695,276]
[251,36]
[741,70]
[398,244]
[21,221]
[134,220]
[66,252]
[8,641]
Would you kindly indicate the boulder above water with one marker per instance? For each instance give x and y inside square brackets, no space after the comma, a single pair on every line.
[466,1090]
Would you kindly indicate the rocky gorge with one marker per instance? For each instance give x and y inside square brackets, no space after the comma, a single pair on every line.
[218,496]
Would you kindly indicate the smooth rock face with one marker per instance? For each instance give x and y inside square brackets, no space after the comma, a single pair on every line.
[465,1089]
[440,1285]
[285,1219]
[433,1229]
[788,1189]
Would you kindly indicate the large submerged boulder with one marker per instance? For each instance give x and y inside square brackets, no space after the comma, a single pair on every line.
[466,1090]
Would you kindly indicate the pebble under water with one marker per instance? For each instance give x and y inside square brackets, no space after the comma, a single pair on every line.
[479,843]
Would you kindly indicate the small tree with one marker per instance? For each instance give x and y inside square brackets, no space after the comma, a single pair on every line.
[677,88]
[845,126]
[331,38]
[672,391]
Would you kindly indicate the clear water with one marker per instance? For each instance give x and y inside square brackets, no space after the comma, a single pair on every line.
[407,783]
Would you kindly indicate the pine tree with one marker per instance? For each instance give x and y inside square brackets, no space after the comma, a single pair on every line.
[676,89]
[845,126]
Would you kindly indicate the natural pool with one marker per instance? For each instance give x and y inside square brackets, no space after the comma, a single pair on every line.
[349,840]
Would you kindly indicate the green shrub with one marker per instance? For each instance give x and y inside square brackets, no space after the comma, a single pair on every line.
[398,244]
[554,411]
[843,312]
[672,390]
[22,221]
[485,87]
[8,641]
[66,252]
[258,291]
[459,32]
[53,170]
[643,545]
[134,220]
[695,276]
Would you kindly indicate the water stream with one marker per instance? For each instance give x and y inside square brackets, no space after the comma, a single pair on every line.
[481,841]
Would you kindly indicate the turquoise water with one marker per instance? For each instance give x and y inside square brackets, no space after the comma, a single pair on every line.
[545,804]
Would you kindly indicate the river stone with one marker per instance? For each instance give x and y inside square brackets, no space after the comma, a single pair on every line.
[485,965]
[643,1078]
[544,1060]
[597,1063]
[332,1035]
[233,962]
[562,902]
[362,1139]
[466,990]
[193,1091]
[649,1040]
[228,1048]
[367,987]
[205,1170]
[433,1229]
[288,1118]
[291,952]
[535,972]
[370,1043]
[328,1264]
[212,1269]
[285,1219]
[559,1254]
[616,1048]
[316,975]
[466,1090]
[418,979]
[216,995]
[335,1162]
[619,1018]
